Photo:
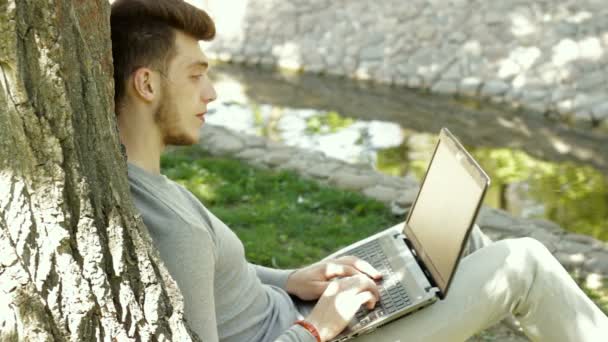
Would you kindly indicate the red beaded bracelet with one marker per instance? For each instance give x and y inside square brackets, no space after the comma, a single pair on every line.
[311,328]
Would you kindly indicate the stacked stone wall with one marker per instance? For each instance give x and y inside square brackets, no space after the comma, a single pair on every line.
[549,56]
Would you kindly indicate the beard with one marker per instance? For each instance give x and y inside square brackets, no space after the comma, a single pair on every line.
[169,123]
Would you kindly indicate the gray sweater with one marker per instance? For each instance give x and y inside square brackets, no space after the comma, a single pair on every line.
[225,297]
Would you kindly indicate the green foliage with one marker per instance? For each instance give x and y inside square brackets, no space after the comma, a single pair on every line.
[599,296]
[575,196]
[329,122]
[392,160]
[283,220]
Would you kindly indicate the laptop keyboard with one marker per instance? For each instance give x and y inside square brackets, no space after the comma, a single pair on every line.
[393,296]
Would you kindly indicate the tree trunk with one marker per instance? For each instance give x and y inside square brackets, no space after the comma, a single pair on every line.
[76,261]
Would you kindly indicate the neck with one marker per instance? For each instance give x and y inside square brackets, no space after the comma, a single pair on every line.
[142,140]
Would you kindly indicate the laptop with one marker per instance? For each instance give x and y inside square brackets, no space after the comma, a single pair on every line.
[418,259]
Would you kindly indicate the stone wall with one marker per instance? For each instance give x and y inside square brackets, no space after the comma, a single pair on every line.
[547,55]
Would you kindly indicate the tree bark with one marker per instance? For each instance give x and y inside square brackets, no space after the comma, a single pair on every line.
[76,261]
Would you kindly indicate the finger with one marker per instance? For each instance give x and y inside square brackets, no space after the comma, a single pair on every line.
[333,270]
[367,298]
[332,289]
[361,265]
[363,283]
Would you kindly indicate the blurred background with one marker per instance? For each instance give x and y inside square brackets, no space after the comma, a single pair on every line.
[521,83]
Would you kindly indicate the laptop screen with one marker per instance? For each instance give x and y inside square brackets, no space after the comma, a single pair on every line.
[446,208]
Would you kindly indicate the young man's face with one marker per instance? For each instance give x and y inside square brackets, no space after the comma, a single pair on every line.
[186,91]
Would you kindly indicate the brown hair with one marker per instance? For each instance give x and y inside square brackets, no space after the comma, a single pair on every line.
[143,34]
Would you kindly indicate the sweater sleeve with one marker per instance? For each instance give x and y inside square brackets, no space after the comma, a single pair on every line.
[296,333]
[273,276]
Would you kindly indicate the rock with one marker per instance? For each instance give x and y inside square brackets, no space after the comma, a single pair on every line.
[295,164]
[453,71]
[495,18]
[397,210]
[551,241]
[445,87]
[458,37]
[381,193]
[406,198]
[587,101]
[584,239]
[494,88]
[600,111]
[253,141]
[429,74]
[374,39]
[407,69]
[414,82]
[547,225]
[565,106]
[591,82]
[470,86]
[395,183]
[573,247]
[279,156]
[426,32]
[561,94]
[565,29]
[352,181]
[496,219]
[372,53]
[250,154]
[572,262]
[534,95]
[597,262]
[509,69]
[322,170]
[537,106]
[366,69]
[227,144]
[290,63]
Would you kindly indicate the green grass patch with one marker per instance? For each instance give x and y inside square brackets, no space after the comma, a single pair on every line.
[282,219]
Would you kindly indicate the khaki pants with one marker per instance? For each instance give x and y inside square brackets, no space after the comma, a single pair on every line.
[516,277]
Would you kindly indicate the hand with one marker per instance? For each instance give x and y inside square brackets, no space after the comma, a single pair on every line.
[310,282]
[339,303]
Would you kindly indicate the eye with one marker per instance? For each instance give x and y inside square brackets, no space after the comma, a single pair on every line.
[196,77]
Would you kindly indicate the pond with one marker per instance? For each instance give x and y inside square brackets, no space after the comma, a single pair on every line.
[540,168]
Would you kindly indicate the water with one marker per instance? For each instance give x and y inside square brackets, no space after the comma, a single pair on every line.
[539,168]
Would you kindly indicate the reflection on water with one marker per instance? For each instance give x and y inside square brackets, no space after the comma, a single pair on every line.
[566,190]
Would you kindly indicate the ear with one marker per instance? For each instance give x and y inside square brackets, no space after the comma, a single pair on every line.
[145,84]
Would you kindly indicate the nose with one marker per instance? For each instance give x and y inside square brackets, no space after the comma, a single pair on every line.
[208,93]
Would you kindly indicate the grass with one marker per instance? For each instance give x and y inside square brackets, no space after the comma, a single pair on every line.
[598,296]
[283,220]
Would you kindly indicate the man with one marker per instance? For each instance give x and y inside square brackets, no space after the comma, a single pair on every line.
[162,93]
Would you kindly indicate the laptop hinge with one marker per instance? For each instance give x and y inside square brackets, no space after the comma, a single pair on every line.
[424,269]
